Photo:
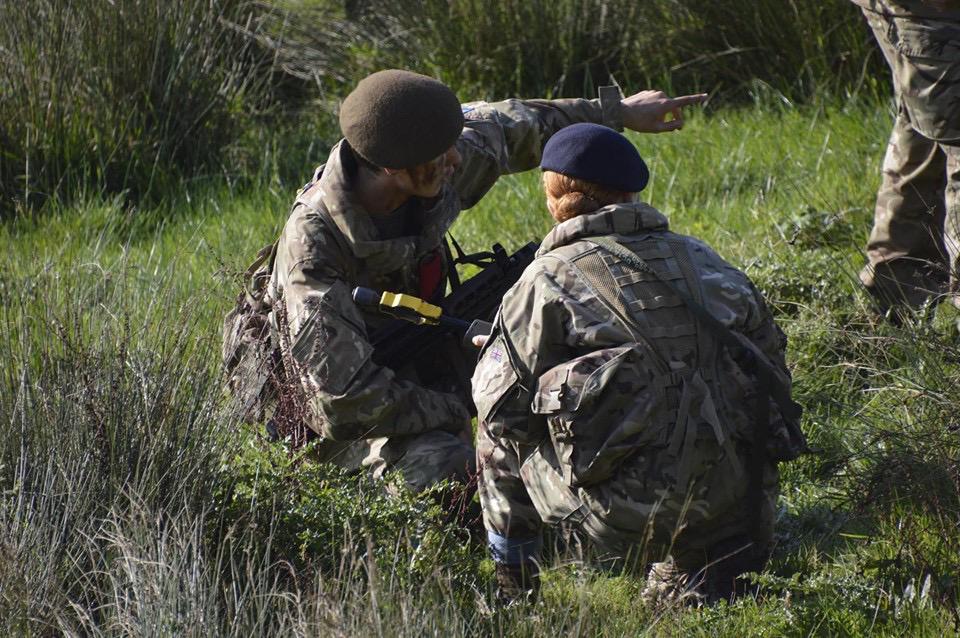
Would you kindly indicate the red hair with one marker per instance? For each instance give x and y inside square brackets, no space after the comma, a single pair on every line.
[568,197]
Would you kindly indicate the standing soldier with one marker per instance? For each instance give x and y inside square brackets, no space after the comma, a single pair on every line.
[375,215]
[914,248]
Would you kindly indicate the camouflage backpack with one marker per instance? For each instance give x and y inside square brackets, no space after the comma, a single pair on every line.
[250,356]
[631,436]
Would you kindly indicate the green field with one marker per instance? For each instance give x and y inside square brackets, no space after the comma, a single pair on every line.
[133,503]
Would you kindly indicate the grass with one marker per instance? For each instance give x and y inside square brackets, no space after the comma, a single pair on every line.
[132,503]
[565,47]
[128,96]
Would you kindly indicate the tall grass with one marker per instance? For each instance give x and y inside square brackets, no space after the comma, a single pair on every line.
[105,412]
[137,96]
[566,48]
[130,95]
[130,501]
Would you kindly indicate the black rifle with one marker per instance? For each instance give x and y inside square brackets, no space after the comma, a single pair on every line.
[434,353]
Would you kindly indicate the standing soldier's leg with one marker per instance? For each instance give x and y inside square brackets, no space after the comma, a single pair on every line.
[905,253]
[907,259]
[952,224]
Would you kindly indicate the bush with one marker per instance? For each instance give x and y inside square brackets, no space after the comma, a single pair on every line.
[128,95]
[135,96]
[107,414]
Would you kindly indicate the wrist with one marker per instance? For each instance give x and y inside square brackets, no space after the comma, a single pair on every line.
[611,105]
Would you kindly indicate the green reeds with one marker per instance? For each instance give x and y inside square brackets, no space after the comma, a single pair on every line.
[124,96]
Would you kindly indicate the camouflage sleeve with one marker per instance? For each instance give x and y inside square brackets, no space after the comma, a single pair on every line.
[532,333]
[764,332]
[507,137]
[529,336]
[349,396]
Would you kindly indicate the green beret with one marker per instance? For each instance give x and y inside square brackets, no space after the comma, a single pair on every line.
[399,119]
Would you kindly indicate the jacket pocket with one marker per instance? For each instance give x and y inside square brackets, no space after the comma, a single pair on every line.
[601,408]
[928,74]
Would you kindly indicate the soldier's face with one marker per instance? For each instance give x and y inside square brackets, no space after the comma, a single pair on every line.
[427,179]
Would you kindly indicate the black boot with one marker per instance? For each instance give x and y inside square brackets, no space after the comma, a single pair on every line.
[517,583]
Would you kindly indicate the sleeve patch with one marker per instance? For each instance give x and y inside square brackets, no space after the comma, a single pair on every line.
[493,379]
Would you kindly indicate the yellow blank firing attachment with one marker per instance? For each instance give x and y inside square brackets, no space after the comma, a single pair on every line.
[427,312]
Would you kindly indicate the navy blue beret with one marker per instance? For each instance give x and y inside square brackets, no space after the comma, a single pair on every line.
[596,154]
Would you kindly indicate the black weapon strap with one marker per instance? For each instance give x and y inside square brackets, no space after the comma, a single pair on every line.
[481,259]
[452,275]
[769,383]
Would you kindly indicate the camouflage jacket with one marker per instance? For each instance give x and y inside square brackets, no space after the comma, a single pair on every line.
[942,9]
[658,382]
[921,42]
[552,315]
[329,245]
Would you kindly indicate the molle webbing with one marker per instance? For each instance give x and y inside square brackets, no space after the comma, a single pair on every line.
[742,351]
[640,302]
[706,352]
[597,274]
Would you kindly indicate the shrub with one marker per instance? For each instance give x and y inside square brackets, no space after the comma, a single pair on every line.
[130,503]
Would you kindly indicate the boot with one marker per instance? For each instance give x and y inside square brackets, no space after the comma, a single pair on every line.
[517,583]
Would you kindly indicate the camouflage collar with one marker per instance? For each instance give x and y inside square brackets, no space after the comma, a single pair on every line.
[334,192]
[616,219]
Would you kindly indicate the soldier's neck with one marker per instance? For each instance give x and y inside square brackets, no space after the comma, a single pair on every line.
[379,193]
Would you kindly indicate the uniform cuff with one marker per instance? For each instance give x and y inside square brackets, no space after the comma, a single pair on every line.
[610,97]
[513,550]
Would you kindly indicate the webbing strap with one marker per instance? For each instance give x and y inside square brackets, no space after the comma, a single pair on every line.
[254,294]
[635,328]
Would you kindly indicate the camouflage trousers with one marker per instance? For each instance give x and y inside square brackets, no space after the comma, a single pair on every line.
[512,479]
[422,459]
[913,252]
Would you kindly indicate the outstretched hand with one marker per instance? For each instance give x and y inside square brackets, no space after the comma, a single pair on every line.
[647,111]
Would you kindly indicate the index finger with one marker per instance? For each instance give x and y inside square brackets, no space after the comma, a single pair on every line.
[687,100]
